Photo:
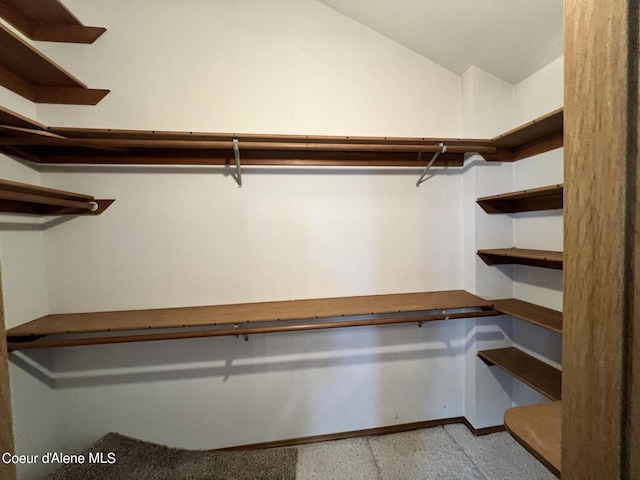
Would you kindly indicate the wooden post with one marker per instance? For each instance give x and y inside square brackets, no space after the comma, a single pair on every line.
[6,420]
[601,353]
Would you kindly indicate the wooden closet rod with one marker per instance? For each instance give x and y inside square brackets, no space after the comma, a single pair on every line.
[244,145]
[69,342]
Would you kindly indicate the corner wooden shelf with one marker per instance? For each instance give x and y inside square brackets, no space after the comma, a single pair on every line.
[522,256]
[538,136]
[47,20]
[27,72]
[538,428]
[533,199]
[215,320]
[540,376]
[137,147]
[541,316]
[24,198]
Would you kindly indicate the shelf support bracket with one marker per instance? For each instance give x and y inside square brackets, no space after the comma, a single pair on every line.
[236,153]
[422,178]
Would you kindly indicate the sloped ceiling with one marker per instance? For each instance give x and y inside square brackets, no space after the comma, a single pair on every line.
[510,39]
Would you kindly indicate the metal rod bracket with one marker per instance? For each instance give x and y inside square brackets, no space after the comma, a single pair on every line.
[422,178]
[236,153]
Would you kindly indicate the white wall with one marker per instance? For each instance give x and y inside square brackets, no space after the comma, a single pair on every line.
[487,109]
[190,236]
[25,298]
[539,230]
[285,66]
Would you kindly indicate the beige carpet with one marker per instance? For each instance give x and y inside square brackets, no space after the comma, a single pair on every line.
[139,460]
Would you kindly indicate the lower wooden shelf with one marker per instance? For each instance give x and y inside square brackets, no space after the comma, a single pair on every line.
[538,428]
[528,312]
[540,376]
[522,256]
[215,320]
[18,197]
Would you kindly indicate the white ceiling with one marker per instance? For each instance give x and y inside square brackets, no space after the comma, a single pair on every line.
[510,39]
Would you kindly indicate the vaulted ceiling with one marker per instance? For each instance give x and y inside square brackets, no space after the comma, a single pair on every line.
[510,39]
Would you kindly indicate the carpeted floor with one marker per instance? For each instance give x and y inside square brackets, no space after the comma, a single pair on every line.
[451,452]
[137,460]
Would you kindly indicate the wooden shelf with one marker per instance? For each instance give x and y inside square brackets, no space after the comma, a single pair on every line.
[129,147]
[538,136]
[528,312]
[47,20]
[97,146]
[533,199]
[521,256]
[397,308]
[23,198]
[540,376]
[538,428]
[30,74]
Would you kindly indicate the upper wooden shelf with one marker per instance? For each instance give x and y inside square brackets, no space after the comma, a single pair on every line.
[540,376]
[127,147]
[24,198]
[25,71]
[528,312]
[533,199]
[538,428]
[47,20]
[522,256]
[396,308]
[538,136]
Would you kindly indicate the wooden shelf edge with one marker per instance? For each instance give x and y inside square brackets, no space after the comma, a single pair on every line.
[132,147]
[538,428]
[66,33]
[541,135]
[533,199]
[216,320]
[519,256]
[32,75]
[18,197]
[535,314]
[51,22]
[37,342]
[540,376]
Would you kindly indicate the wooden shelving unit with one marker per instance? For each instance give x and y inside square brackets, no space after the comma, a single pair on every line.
[47,20]
[538,428]
[30,74]
[24,198]
[540,376]
[128,147]
[522,256]
[541,316]
[533,199]
[538,136]
[216,320]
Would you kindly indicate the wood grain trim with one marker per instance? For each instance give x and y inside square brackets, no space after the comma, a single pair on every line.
[405,427]
[600,360]
[6,419]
